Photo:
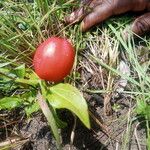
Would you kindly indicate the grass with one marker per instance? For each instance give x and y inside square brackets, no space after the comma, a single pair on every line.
[138,81]
[23,25]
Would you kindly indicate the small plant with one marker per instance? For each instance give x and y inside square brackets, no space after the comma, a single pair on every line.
[39,94]
[26,24]
[23,25]
[143,110]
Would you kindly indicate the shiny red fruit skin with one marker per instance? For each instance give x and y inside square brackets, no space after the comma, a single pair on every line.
[53,59]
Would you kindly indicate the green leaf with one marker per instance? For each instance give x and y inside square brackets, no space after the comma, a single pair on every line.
[43,87]
[67,96]
[48,112]
[148,142]
[32,108]
[4,64]
[140,108]
[10,102]
[32,79]
[20,71]
[60,123]
[31,75]
[143,109]
[29,81]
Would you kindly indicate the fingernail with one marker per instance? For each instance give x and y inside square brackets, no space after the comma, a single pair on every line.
[70,18]
[82,26]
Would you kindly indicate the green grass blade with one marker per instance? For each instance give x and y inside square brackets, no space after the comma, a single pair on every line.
[47,111]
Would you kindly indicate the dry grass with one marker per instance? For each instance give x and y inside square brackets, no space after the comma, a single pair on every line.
[96,72]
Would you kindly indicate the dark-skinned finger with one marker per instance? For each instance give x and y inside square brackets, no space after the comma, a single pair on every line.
[80,13]
[95,3]
[142,24]
[99,14]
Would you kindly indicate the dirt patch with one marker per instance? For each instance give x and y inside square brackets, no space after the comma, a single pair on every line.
[107,133]
[40,137]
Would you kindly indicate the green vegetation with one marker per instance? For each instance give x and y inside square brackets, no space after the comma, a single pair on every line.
[23,25]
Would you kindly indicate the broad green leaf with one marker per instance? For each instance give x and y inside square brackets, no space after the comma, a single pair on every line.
[59,123]
[67,96]
[10,102]
[20,71]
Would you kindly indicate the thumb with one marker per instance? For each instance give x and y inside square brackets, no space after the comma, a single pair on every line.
[80,13]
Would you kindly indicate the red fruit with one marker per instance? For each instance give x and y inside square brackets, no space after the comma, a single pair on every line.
[53,59]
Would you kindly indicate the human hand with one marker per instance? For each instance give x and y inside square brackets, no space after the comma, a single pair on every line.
[93,12]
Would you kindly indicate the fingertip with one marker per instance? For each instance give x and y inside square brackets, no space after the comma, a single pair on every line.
[142,24]
[87,23]
[70,18]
